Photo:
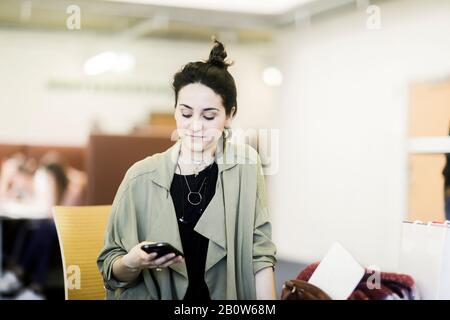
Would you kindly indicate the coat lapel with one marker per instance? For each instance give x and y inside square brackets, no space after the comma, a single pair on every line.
[212,226]
[164,224]
[212,223]
[166,229]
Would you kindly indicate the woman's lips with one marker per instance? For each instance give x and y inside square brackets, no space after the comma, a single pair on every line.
[197,136]
[200,138]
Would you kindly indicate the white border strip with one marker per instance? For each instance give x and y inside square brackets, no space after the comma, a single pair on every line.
[429,145]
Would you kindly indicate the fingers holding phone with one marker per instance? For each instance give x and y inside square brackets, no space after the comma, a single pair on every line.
[164,261]
[137,258]
[161,254]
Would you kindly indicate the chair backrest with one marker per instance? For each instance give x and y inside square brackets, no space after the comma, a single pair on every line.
[81,234]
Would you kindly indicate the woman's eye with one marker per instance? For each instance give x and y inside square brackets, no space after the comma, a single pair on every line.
[186,115]
[209,116]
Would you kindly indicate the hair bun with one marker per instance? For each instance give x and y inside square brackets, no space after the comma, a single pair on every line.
[217,55]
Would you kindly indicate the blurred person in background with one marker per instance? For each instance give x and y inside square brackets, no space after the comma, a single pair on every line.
[16,178]
[36,240]
[75,192]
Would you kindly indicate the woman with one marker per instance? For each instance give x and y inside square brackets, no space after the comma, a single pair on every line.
[204,196]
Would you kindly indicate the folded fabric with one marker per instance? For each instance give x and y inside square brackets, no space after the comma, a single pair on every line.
[391,286]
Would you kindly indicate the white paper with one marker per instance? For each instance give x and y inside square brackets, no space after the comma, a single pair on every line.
[338,273]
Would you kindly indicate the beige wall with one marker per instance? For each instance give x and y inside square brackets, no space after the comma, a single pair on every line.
[429,116]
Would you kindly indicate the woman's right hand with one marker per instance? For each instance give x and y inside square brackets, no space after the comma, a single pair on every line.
[137,258]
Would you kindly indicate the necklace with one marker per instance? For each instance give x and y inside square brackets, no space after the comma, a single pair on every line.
[198,163]
[194,198]
[196,194]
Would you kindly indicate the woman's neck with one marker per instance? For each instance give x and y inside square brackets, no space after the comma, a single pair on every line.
[191,162]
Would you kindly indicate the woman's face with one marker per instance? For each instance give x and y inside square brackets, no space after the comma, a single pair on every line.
[200,117]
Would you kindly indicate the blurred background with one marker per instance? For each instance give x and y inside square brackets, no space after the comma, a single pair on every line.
[358,93]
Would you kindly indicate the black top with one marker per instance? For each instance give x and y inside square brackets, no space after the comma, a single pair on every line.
[195,246]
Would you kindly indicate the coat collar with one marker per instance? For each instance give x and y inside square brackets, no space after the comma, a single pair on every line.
[212,223]
[226,158]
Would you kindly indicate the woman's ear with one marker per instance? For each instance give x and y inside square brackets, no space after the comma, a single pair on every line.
[233,111]
[230,117]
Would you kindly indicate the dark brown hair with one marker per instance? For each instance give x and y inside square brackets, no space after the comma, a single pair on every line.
[212,73]
[53,163]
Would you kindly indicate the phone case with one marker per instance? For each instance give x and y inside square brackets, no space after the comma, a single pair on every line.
[162,248]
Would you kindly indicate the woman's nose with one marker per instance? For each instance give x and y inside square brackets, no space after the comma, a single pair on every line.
[196,124]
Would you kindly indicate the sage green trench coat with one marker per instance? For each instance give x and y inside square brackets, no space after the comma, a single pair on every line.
[236,222]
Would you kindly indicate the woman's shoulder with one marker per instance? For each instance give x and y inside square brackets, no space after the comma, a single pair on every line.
[139,169]
[144,166]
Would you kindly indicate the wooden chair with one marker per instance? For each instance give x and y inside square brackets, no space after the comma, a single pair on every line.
[81,234]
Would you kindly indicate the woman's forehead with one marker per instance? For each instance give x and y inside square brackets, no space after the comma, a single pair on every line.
[198,96]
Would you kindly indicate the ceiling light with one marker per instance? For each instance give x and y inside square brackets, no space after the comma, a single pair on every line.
[247,6]
[109,61]
[272,77]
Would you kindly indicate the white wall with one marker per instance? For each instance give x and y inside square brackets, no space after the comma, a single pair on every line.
[31,112]
[343,119]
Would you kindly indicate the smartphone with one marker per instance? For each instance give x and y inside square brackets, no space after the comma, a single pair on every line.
[162,248]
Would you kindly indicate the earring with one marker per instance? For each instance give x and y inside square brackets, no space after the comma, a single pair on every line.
[226,133]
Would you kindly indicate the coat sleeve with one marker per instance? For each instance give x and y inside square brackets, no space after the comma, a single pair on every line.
[264,250]
[119,232]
